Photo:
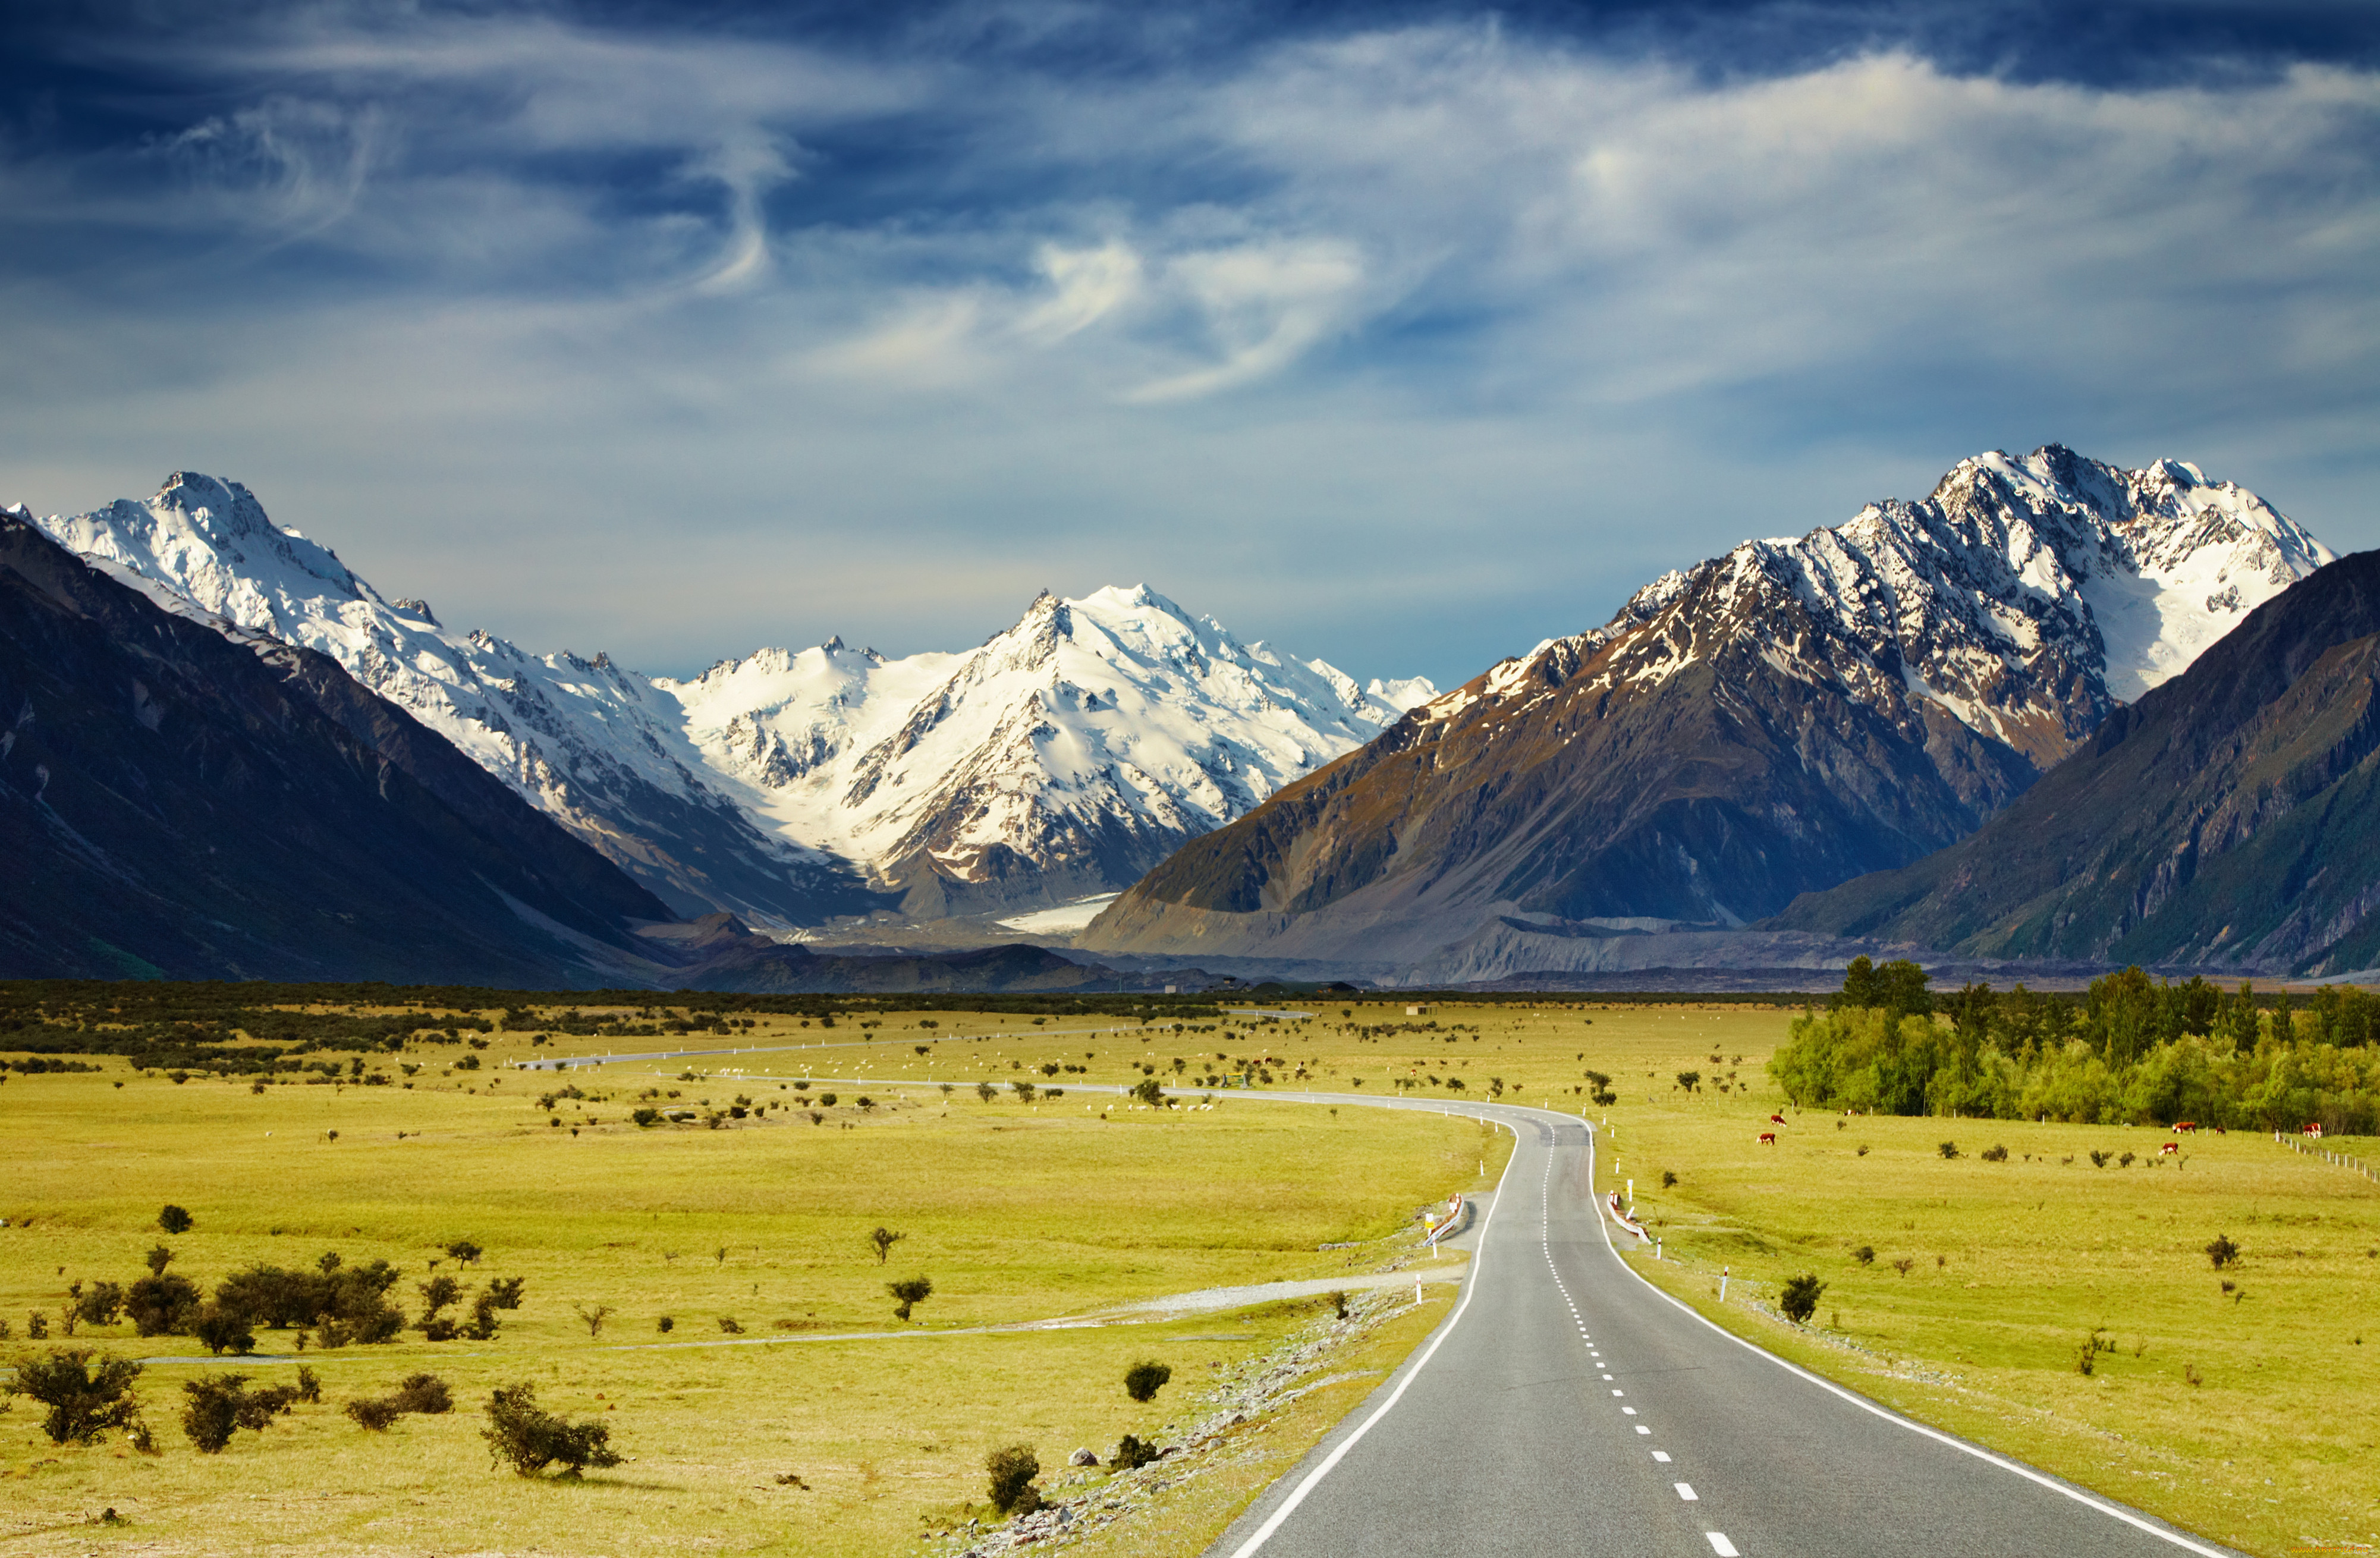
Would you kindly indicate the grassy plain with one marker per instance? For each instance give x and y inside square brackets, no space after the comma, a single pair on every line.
[1017,1212]
[1020,1211]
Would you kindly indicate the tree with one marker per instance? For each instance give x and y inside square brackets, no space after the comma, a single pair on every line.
[909,1291]
[529,1439]
[158,1257]
[884,1238]
[1022,1089]
[1800,1298]
[1149,1092]
[466,1251]
[2223,1251]
[986,1091]
[84,1402]
[594,1315]
[174,1219]
[1143,1380]
[1012,1470]
[1690,1080]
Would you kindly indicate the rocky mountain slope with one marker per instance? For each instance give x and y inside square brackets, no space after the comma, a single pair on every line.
[2231,818]
[1772,721]
[181,797]
[1059,759]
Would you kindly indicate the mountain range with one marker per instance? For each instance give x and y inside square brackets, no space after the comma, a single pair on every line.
[1057,760]
[2229,819]
[1775,721]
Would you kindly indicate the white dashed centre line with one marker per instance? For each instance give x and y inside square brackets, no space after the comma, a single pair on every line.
[1642,1429]
[1720,1545]
[1661,1456]
[1629,1410]
[1686,1491]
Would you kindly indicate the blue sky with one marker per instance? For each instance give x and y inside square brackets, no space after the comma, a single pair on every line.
[1405,336]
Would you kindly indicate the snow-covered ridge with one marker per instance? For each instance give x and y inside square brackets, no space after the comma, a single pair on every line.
[2024,596]
[1090,738]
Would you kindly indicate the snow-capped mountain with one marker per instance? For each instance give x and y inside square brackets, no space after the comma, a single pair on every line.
[793,787]
[1776,720]
[1064,757]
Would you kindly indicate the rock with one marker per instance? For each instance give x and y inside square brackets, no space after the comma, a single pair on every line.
[1082,1457]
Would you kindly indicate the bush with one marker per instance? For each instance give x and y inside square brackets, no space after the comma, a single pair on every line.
[883,1239]
[1800,1298]
[174,1219]
[665,1325]
[161,1305]
[1143,1380]
[219,1403]
[1864,1255]
[1995,1154]
[159,1256]
[1131,1454]
[378,1414]
[223,1330]
[1949,1150]
[83,1403]
[908,1293]
[1012,1472]
[1149,1092]
[310,1384]
[521,1435]
[505,1293]
[986,1091]
[2223,1252]
[101,1304]
[647,1117]
[466,1251]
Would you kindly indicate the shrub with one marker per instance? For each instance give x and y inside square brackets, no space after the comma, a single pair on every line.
[1143,1380]
[730,1325]
[436,1294]
[827,1100]
[2087,1359]
[159,1256]
[1864,1255]
[466,1251]
[310,1384]
[885,1239]
[665,1325]
[174,1219]
[1022,1089]
[84,1402]
[521,1435]
[647,1117]
[1995,1154]
[1798,1298]
[909,1292]
[219,1403]
[1148,1092]
[2098,1159]
[221,1330]
[1131,1454]
[594,1315]
[378,1414]
[1669,1179]
[101,1304]
[986,1091]
[423,1392]
[2223,1252]
[1949,1150]
[1012,1470]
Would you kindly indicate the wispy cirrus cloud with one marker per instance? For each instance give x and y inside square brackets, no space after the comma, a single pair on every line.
[996,294]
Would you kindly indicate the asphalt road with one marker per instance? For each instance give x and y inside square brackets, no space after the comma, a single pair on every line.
[1566,1407]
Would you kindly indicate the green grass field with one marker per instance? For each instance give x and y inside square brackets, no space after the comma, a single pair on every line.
[1017,1212]
[1023,1211]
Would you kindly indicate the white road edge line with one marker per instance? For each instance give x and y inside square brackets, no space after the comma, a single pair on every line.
[1953,1441]
[1471,1284]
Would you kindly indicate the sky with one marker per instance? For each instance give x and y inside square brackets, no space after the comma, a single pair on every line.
[1403,335]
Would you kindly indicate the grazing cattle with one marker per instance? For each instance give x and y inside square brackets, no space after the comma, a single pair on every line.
[2313,1128]
[1776,1119]
[2168,1149]
[2183,1127]
[1767,1139]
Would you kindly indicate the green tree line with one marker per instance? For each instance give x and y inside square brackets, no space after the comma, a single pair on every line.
[2130,1049]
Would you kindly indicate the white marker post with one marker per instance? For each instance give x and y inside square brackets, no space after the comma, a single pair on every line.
[1722,1285]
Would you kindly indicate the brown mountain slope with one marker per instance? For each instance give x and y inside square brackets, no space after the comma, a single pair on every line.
[2231,817]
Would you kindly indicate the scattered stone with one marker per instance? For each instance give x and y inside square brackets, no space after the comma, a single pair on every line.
[1083,1457]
